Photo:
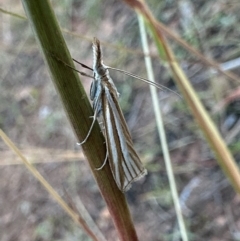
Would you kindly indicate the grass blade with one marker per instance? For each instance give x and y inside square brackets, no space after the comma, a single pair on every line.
[161,131]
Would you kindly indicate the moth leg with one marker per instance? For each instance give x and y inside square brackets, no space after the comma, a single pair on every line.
[90,130]
[104,163]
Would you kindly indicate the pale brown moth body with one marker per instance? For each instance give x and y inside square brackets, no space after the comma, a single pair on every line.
[124,161]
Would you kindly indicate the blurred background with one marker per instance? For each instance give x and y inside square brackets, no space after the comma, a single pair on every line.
[31,114]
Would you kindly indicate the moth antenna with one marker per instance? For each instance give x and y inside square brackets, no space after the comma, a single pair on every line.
[83,65]
[159,86]
[80,72]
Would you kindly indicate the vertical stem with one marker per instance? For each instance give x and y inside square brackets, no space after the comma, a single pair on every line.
[161,130]
[78,109]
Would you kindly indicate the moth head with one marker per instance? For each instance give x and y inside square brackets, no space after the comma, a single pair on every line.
[101,70]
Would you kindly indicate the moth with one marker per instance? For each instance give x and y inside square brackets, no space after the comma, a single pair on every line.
[124,161]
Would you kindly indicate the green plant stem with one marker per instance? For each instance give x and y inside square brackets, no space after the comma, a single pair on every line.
[161,131]
[78,109]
